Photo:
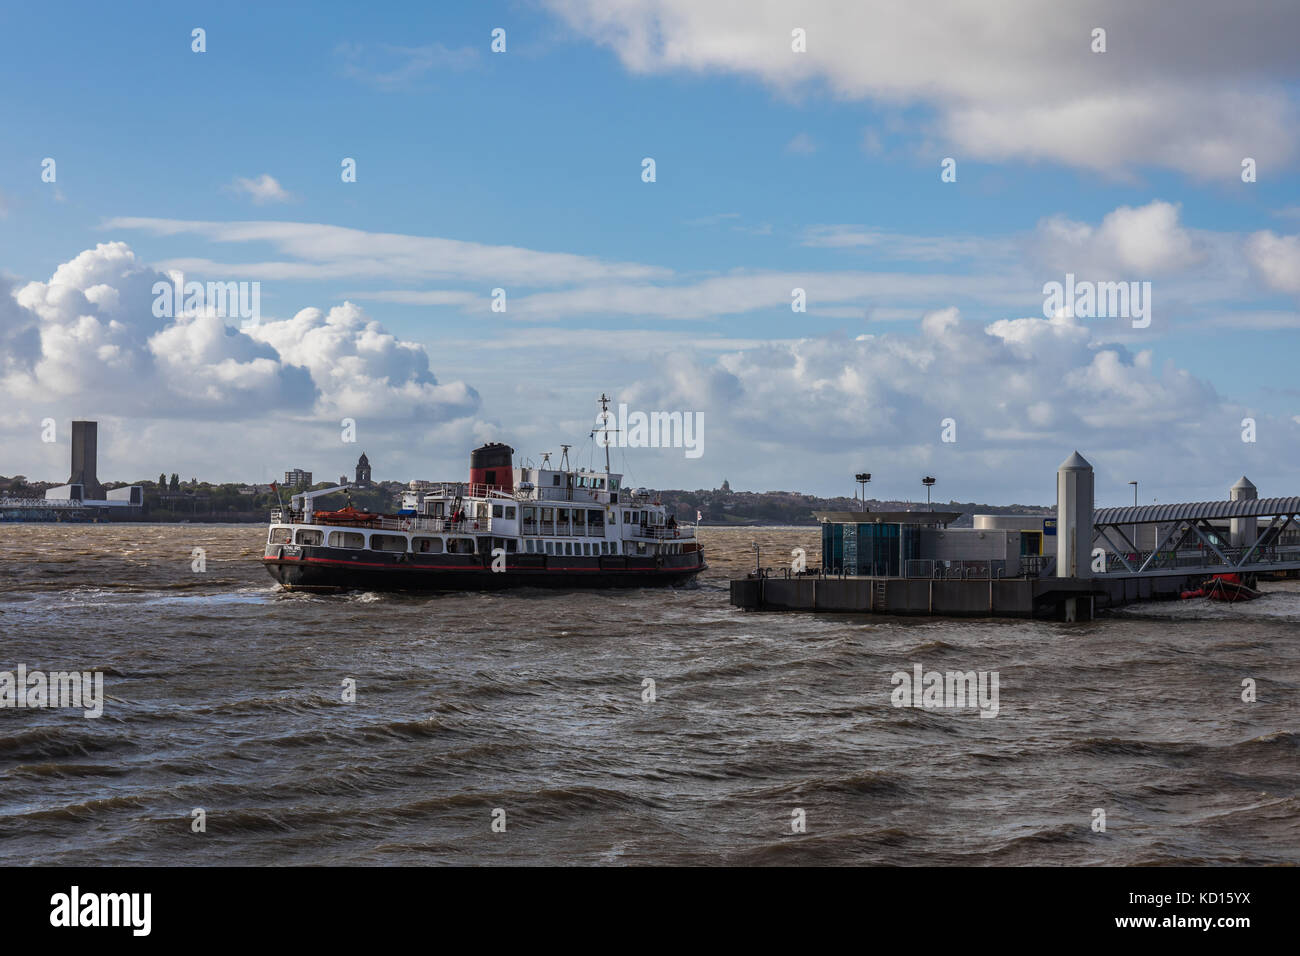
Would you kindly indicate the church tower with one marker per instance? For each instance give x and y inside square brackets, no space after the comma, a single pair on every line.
[363,471]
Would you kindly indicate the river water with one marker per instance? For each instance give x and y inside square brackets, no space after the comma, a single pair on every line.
[770,738]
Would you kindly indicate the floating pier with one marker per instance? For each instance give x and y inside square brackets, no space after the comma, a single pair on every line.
[1066,566]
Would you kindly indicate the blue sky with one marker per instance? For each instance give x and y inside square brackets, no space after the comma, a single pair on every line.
[522,170]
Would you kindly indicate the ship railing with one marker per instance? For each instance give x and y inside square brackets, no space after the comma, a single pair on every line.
[463,489]
[406,523]
[581,496]
[552,530]
[662,532]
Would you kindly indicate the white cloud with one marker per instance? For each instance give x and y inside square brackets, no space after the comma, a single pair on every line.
[88,339]
[1196,267]
[1134,242]
[894,245]
[389,68]
[801,145]
[333,252]
[192,394]
[1277,259]
[1182,85]
[362,370]
[1024,393]
[262,189]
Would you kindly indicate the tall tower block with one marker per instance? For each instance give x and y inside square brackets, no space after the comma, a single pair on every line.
[85,447]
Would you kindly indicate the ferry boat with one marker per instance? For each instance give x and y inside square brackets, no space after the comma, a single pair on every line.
[506,527]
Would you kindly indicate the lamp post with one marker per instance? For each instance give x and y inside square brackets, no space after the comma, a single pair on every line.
[929,483]
[1135,493]
[862,478]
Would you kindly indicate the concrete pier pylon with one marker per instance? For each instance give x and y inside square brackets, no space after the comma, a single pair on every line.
[1243,531]
[1074,505]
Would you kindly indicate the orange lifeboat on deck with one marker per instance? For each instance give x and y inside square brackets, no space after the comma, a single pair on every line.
[346,516]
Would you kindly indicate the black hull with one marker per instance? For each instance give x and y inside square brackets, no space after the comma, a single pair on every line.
[321,569]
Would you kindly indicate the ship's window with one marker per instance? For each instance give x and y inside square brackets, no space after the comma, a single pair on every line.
[510,512]
[627,517]
[568,547]
[347,539]
[640,548]
[280,536]
[550,547]
[387,542]
[460,545]
[482,509]
[426,545]
[511,546]
[309,536]
[498,511]
[555,479]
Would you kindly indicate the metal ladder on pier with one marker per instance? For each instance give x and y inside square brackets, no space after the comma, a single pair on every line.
[878,598]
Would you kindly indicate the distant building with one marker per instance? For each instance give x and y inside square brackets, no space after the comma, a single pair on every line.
[85,442]
[363,471]
[296,477]
[83,489]
[726,486]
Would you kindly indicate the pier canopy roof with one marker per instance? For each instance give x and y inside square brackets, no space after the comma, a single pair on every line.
[1197,510]
[888,517]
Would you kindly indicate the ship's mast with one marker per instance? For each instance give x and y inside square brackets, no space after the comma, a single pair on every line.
[604,418]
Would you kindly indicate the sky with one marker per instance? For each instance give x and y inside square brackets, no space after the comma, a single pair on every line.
[922,177]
